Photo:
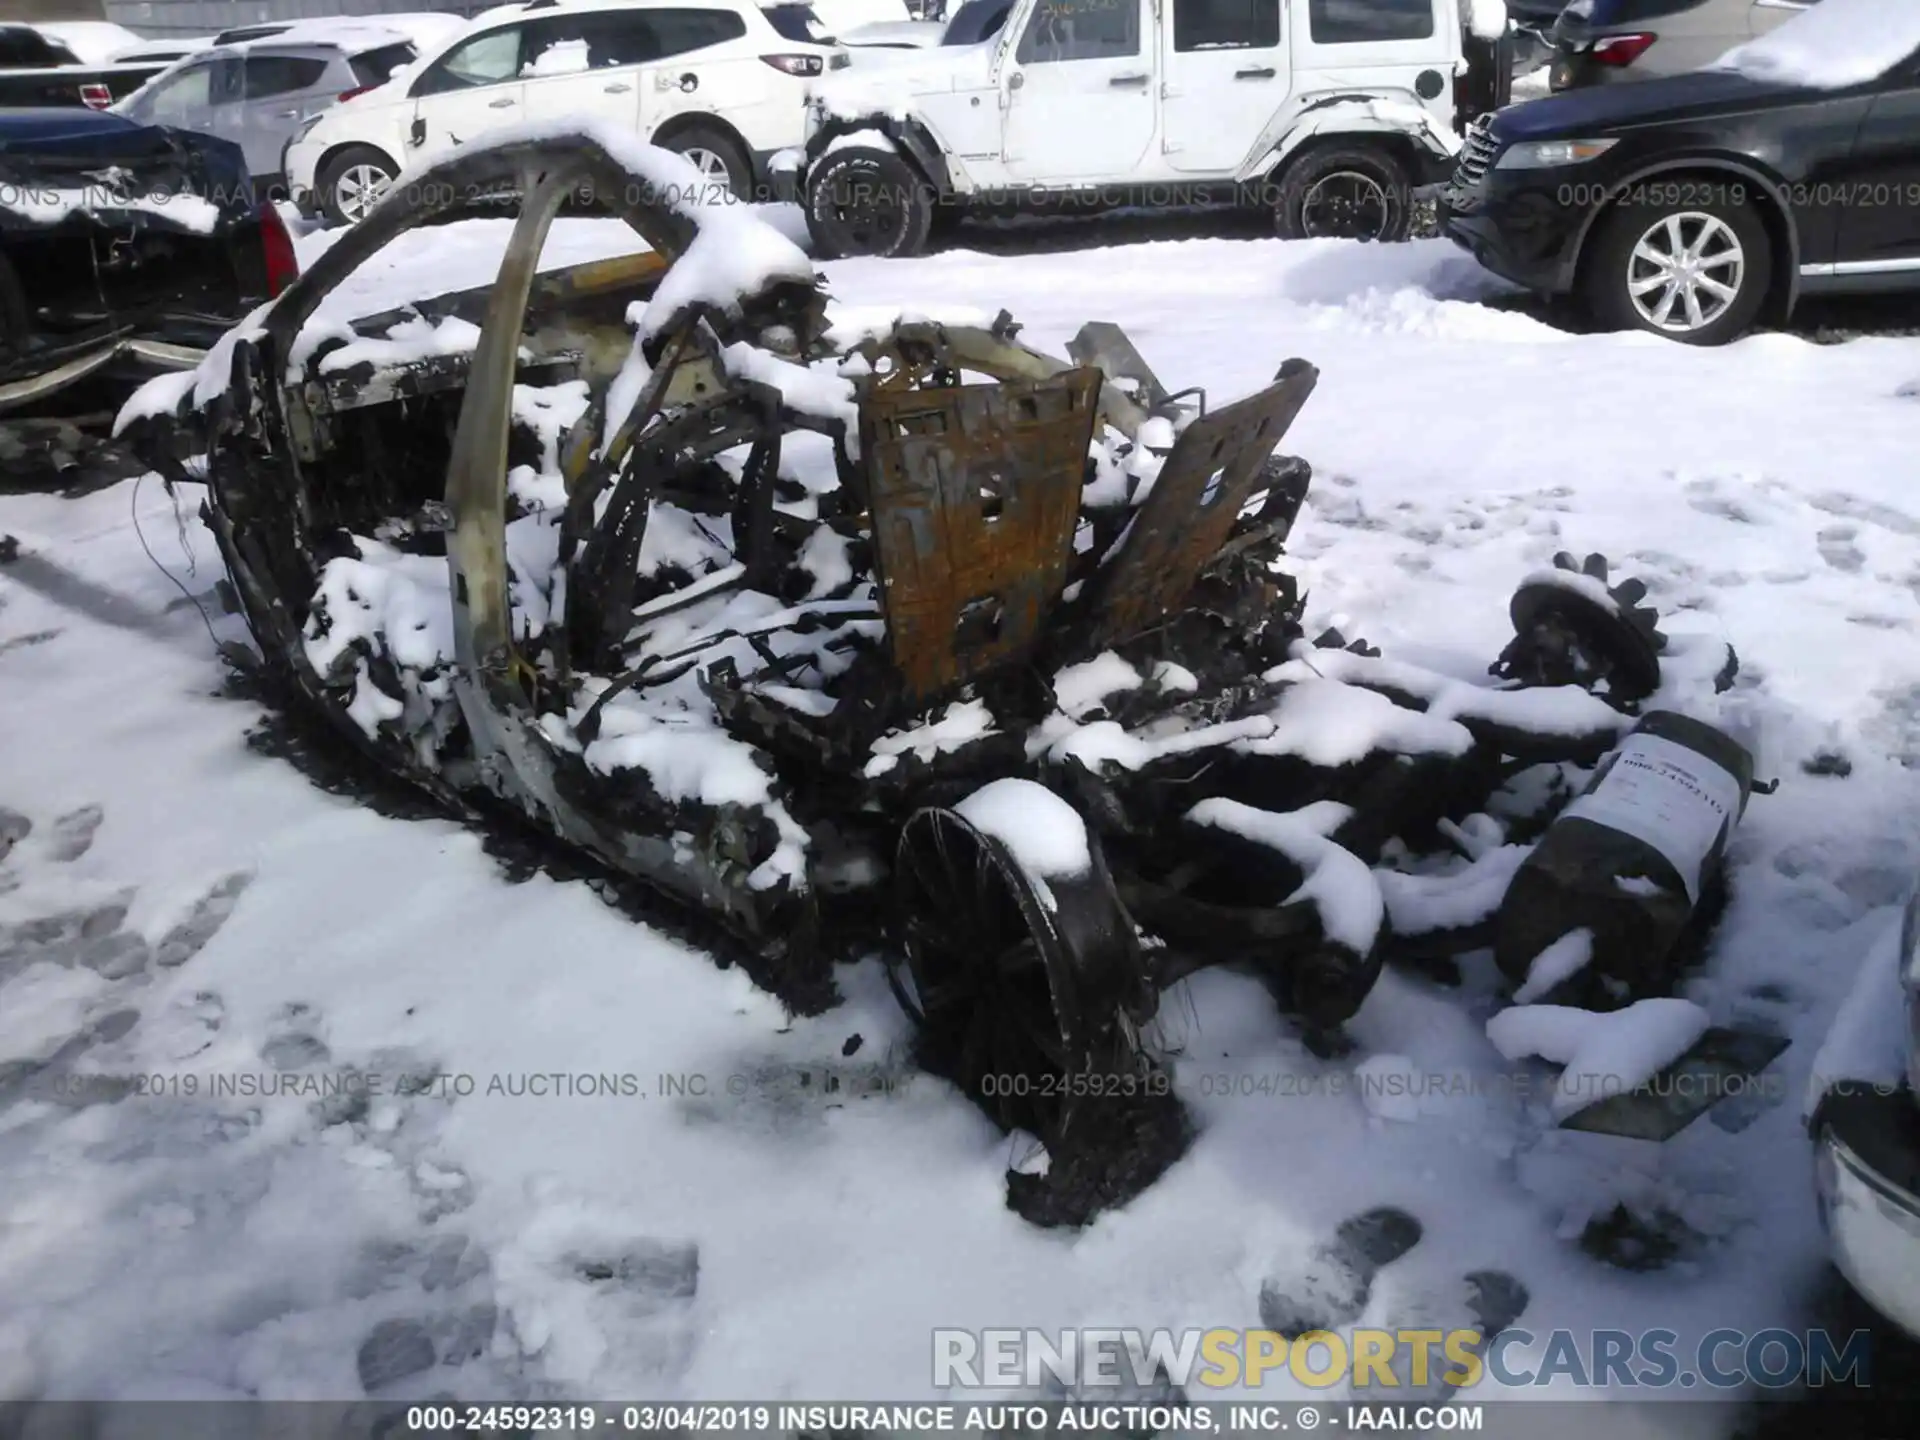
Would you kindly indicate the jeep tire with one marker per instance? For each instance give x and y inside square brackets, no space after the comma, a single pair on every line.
[1349,192]
[867,201]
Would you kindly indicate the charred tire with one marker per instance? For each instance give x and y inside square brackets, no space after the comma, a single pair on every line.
[868,202]
[1359,192]
[716,155]
[1698,274]
[352,180]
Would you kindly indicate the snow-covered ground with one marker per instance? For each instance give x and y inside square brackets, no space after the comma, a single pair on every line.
[192,911]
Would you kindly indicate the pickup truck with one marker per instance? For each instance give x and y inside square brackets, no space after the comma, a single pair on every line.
[38,70]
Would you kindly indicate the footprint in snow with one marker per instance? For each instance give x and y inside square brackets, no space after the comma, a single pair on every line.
[52,916]
[1837,548]
[1334,1286]
[1896,729]
[1869,512]
[1485,1302]
[1710,497]
[85,926]
[456,1314]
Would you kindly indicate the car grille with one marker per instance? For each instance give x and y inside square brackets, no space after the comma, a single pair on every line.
[1476,154]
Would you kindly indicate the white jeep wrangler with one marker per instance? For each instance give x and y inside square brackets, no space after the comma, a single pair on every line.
[1327,112]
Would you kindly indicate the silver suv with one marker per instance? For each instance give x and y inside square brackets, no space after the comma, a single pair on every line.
[1601,42]
[259,93]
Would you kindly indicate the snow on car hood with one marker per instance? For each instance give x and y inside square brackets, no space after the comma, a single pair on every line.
[885,82]
[1834,44]
[899,34]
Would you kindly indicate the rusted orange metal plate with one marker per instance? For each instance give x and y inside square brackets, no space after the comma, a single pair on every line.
[974,498]
[1187,516]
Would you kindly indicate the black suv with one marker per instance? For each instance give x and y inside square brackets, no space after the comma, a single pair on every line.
[1695,205]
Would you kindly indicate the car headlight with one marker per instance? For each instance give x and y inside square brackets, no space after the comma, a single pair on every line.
[1910,981]
[1545,154]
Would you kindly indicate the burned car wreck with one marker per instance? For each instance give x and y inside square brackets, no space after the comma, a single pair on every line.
[904,637]
[126,250]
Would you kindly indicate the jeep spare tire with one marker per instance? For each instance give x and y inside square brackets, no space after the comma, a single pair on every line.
[866,201]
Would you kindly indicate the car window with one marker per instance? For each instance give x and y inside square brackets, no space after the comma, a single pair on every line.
[546,53]
[270,75]
[1360,22]
[376,67]
[1080,30]
[680,32]
[185,95]
[1226,24]
[486,59]
[795,22]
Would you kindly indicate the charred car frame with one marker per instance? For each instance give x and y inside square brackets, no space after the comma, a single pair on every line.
[907,635]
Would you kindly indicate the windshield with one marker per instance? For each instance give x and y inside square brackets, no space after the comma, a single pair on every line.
[977,20]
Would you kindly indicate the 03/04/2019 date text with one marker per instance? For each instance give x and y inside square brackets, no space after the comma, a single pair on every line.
[582,1418]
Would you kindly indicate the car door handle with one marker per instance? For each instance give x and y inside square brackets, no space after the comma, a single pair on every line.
[499,104]
[618,89]
[1121,81]
[1264,73]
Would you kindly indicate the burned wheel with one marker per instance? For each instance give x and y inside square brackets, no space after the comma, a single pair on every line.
[1029,990]
[988,965]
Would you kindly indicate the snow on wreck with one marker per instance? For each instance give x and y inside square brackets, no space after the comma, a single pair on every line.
[841,633]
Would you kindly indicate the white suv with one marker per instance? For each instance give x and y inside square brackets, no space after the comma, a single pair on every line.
[713,80]
[1328,111]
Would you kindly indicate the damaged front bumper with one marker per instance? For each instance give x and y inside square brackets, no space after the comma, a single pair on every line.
[128,359]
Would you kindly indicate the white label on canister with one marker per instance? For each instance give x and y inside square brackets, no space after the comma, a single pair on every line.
[1669,797]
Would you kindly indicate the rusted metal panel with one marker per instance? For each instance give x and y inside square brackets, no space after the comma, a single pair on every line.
[974,498]
[1204,485]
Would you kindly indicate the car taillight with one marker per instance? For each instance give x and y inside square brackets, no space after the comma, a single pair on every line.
[96,97]
[796,64]
[283,266]
[346,95]
[1622,49]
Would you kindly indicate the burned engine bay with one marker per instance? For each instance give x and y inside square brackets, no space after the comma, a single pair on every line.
[904,638]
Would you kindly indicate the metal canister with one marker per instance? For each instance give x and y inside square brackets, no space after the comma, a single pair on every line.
[1630,860]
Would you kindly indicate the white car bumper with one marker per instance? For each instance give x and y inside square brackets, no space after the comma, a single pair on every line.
[1867,1168]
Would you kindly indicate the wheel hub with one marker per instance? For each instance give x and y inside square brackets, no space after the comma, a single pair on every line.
[1685,271]
[1346,205]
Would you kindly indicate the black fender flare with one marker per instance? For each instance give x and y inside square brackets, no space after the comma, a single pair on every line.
[1769,185]
[911,138]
